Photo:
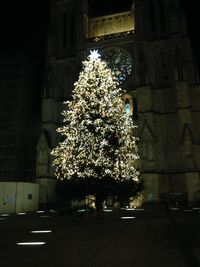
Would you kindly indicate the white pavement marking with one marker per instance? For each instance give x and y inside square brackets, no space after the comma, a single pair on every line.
[31,243]
[40,231]
[127,217]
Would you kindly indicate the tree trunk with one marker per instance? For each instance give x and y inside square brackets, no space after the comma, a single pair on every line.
[98,203]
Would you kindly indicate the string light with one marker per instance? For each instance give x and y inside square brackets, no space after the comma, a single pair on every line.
[98,134]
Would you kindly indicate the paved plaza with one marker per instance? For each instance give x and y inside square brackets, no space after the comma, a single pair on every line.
[153,236]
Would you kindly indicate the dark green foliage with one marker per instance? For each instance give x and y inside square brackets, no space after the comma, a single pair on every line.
[128,188]
[78,189]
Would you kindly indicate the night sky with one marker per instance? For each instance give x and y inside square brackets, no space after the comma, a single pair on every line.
[24,24]
[103,7]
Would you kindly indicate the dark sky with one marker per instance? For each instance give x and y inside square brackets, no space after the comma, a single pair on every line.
[103,7]
[192,14]
[24,25]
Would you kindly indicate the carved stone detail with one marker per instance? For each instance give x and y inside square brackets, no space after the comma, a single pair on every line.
[105,25]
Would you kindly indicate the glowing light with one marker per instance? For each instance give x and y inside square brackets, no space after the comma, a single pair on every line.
[196,208]
[40,211]
[5,215]
[123,22]
[174,208]
[53,211]
[107,210]
[40,231]
[81,210]
[135,209]
[128,106]
[92,137]
[94,55]
[127,217]
[21,213]
[31,243]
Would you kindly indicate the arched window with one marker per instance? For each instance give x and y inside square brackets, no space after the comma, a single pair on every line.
[127,106]
[128,103]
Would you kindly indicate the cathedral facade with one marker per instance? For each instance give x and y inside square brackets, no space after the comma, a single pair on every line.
[147,45]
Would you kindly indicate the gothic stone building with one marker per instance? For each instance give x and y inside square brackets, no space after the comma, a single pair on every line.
[19,125]
[147,45]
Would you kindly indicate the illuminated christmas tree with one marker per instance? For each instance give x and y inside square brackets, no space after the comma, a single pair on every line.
[98,135]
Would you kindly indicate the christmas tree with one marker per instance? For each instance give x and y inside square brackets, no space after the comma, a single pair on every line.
[98,135]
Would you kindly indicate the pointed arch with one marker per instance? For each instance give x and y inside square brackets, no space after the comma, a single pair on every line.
[187,143]
[147,145]
[179,64]
[187,134]
[43,155]
[128,103]
[43,140]
[147,131]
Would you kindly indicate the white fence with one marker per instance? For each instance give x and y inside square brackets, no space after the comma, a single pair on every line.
[18,197]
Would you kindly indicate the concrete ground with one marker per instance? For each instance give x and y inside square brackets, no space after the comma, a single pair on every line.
[155,237]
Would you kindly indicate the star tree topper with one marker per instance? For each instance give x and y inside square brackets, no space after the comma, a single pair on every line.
[94,55]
